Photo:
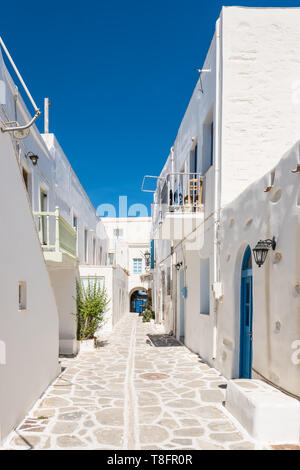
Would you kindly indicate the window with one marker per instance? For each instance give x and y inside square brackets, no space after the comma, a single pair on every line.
[94,250]
[86,246]
[25,177]
[137,265]
[27,181]
[168,274]
[204,287]
[75,227]
[118,233]
[92,280]
[22,296]
[211,144]
[208,143]
[194,160]
[111,259]
[100,255]
[44,208]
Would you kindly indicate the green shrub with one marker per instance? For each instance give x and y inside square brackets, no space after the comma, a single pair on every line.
[148,316]
[91,305]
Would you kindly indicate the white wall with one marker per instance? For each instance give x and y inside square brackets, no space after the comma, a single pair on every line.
[30,336]
[63,281]
[74,201]
[55,176]
[256,215]
[135,242]
[30,339]
[116,285]
[260,117]
[200,111]
[260,104]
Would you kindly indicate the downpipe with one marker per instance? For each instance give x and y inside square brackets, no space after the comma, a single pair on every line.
[217,194]
[174,301]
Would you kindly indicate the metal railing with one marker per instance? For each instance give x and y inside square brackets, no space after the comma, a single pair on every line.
[55,233]
[183,192]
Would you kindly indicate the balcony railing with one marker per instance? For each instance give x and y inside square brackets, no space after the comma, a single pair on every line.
[56,235]
[182,192]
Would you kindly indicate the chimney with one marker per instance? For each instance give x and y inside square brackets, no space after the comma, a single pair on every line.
[46,115]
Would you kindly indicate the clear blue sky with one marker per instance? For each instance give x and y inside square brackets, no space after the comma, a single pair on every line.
[119,75]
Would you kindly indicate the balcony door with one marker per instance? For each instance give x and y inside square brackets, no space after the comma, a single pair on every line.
[181,305]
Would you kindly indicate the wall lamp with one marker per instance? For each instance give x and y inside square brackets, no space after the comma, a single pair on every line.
[178,266]
[147,256]
[261,250]
[34,158]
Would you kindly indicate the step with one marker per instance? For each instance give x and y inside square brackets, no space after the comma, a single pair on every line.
[267,414]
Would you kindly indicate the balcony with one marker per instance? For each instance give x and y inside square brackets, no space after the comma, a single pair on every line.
[185,192]
[179,210]
[58,239]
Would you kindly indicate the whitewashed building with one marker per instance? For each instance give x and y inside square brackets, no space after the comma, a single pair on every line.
[129,243]
[49,230]
[227,184]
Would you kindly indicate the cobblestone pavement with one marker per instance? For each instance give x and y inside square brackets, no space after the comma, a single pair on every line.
[129,394]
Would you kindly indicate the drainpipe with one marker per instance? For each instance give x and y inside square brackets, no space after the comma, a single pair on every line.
[172,246]
[217,202]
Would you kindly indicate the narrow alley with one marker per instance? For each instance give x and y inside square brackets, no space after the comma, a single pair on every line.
[138,390]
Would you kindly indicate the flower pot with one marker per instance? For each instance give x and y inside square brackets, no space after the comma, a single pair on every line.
[87,345]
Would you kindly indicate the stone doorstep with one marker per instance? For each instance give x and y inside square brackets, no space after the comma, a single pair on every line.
[267,414]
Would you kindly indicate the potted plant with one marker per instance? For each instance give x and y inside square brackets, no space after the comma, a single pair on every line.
[148,315]
[92,301]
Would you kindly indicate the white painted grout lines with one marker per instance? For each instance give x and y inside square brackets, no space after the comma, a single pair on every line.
[131,441]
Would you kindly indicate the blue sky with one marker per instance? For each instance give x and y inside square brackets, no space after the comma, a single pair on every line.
[119,75]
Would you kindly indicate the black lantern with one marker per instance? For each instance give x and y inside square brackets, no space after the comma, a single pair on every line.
[178,266]
[261,251]
[34,158]
[147,256]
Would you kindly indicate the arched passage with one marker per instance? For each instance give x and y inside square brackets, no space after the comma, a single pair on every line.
[138,298]
[246,332]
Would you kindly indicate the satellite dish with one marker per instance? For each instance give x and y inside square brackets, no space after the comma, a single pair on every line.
[22,133]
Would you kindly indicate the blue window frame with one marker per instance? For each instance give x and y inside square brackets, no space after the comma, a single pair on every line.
[137,265]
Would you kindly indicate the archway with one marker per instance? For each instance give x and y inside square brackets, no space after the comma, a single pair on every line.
[138,299]
[246,331]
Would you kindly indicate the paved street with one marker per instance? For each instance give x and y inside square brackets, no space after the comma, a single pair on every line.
[131,394]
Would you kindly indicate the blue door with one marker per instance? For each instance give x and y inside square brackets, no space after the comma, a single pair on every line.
[139,306]
[182,305]
[246,350]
